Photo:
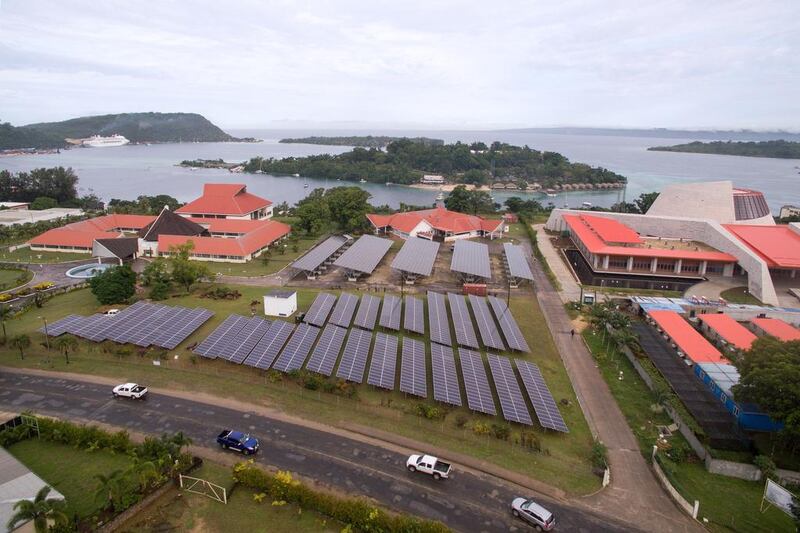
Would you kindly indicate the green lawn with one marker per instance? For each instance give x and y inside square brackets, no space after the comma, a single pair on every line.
[729,504]
[185,511]
[69,470]
[11,278]
[740,295]
[26,255]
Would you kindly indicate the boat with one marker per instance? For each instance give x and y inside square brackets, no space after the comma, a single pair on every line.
[305,185]
[587,204]
[550,194]
[362,180]
[440,197]
[296,175]
[97,141]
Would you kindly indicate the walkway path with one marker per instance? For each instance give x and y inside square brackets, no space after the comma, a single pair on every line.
[634,493]
[570,290]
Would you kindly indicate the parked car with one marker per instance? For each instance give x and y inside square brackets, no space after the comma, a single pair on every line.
[112,312]
[129,390]
[236,440]
[533,513]
[428,464]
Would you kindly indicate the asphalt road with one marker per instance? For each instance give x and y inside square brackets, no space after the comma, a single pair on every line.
[466,502]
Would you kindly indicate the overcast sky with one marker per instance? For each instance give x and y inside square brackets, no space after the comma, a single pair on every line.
[673,63]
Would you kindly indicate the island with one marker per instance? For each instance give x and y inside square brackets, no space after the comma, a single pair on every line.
[138,128]
[500,165]
[778,149]
[364,141]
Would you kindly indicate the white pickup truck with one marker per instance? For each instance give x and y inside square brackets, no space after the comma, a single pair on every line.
[129,390]
[428,464]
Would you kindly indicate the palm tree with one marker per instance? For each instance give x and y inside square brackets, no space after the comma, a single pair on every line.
[40,510]
[20,342]
[65,344]
[144,471]
[5,313]
[109,489]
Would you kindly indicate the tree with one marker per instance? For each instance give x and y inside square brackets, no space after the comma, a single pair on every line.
[313,212]
[114,285]
[645,200]
[348,207]
[41,510]
[110,488]
[475,177]
[465,201]
[156,271]
[20,342]
[43,202]
[66,344]
[5,313]
[770,378]
[185,271]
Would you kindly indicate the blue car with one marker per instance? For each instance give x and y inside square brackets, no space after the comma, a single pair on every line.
[236,440]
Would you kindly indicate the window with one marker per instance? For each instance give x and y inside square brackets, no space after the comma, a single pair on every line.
[736,411]
[723,397]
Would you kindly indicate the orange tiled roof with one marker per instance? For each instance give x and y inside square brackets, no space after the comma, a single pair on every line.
[84,232]
[778,245]
[225,199]
[729,329]
[778,328]
[267,232]
[690,342]
[438,218]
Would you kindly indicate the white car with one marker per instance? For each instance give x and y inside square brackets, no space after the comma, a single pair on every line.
[112,312]
[428,464]
[129,390]
[533,513]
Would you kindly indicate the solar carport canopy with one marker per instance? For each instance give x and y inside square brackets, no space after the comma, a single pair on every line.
[518,265]
[317,255]
[365,254]
[416,256]
[471,258]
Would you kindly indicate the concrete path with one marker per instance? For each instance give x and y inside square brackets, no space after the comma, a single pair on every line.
[570,289]
[634,494]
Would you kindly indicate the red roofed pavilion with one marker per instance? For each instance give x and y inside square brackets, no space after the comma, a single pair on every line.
[437,224]
[227,200]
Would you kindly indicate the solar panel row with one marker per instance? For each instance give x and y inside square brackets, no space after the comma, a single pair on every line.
[318,313]
[437,319]
[541,399]
[327,350]
[384,361]
[416,256]
[248,338]
[319,254]
[364,255]
[412,368]
[367,312]
[414,319]
[512,404]
[462,322]
[294,354]
[445,379]
[206,346]
[343,312]
[518,266]
[471,258]
[479,394]
[354,358]
[267,349]
[511,331]
[390,312]
[486,325]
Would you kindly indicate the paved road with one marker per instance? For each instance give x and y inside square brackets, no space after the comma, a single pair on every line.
[468,502]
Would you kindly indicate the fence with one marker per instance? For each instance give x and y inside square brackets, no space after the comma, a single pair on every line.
[669,484]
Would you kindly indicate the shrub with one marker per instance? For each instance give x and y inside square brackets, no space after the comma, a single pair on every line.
[43,286]
[430,412]
[501,431]
[311,381]
[599,455]
[222,293]
[679,452]
[481,428]
[5,297]
[530,440]
[766,465]
[461,421]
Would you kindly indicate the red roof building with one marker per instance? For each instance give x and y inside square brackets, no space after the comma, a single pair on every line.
[686,338]
[778,246]
[724,327]
[611,246]
[227,200]
[776,328]
[437,224]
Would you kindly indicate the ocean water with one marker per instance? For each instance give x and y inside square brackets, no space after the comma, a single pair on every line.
[129,171]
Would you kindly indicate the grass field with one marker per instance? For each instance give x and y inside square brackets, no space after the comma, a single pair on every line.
[26,255]
[11,278]
[563,460]
[740,295]
[69,470]
[729,504]
[185,511]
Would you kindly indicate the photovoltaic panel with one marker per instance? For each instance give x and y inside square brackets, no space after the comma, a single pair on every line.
[327,350]
[384,361]
[518,265]
[130,315]
[89,325]
[54,329]
[390,312]
[445,379]
[178,315]
[267,349]
[248,337]
[343,311]
[438,324]
[206,347]
[229,341]
[364,255]
[511,331]
[486,325]
[462,322]
[505,383]
[354,358]
[414,319]
[294,354]
[318,313]
[367,312]
[479,394]
[319,254]
[543,403]
[416,256]
[178,334]
[152,323]
[471,258]
[413,378]
[132,328]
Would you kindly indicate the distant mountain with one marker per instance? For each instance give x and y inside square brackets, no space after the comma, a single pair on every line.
[362,141]
[136,127]
[700,135]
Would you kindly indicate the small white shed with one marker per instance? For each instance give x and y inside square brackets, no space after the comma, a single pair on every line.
[280,303]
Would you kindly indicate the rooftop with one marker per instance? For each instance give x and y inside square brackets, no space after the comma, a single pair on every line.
[729,329]
[778,245]
[777,328]
[277,293]
[688,339]
[438,218]
[225,199]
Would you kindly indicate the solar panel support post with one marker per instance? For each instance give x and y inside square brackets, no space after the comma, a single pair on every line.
[46,334]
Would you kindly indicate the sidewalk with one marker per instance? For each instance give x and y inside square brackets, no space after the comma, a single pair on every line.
[570,290]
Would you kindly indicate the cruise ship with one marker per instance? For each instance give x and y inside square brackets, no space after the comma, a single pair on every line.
[96,141]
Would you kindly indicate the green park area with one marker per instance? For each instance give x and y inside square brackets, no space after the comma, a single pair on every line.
[26,255]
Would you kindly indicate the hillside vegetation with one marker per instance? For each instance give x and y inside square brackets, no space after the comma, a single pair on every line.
[774,149]
[364,141]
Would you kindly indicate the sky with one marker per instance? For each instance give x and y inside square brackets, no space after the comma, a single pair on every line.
[415,63]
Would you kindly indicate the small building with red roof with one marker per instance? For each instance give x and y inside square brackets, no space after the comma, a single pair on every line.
[227,200]
[687,339]
[724,329]
[438,224]
[775,327]
[778,246]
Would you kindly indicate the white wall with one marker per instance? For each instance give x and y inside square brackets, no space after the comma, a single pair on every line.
[280,306]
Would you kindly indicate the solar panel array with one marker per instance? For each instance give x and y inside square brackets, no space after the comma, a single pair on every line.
[384,361]
[486,325]
[445,378]
[416,256]
[249,336]
[471,258]
[511,331]
[518,266]
[327,350]
[390,312]
[319,254]
[462,322]
[541,399]
[222,338]
[296,350]
[413,376]
[354,358]
[364,255]
[479,394]
[438,324]
[512,404]
[318,313]
[343,312]
[414,319]
[267,349]
[367,312]
[143,324]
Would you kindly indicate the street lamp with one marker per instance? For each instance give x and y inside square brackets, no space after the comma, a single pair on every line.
[46,335]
